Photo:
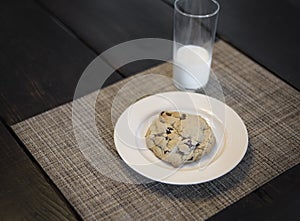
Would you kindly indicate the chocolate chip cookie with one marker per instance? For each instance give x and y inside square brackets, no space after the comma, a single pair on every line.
[179,138]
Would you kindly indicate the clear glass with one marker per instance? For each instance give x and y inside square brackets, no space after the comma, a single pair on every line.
[195,23]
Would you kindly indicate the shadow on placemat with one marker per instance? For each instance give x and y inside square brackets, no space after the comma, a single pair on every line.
[211,189]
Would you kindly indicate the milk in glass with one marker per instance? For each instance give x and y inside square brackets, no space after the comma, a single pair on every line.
[192,67]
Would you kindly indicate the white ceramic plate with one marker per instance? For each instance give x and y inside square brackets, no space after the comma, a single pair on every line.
[229,130]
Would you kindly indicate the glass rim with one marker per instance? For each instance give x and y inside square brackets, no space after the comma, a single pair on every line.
[198,16]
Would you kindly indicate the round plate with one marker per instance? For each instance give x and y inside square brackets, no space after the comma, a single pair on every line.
[228,128]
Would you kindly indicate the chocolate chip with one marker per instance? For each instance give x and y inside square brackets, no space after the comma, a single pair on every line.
[169,130]
[166,151]
[191,158]
[168,114]
[161,113]
[183,116]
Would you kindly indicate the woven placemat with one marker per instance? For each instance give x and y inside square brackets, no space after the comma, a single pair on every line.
[268,106]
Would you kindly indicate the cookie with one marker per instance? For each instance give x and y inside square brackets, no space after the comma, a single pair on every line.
[179,138]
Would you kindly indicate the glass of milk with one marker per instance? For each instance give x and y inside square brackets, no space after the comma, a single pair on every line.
[195,23]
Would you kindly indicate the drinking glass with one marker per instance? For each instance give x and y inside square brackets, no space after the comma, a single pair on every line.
[195,23]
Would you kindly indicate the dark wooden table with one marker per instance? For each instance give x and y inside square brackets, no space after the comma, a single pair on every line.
[46,45]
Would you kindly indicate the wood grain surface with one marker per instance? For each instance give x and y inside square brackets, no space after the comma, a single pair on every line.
[40,61]
[104,24]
